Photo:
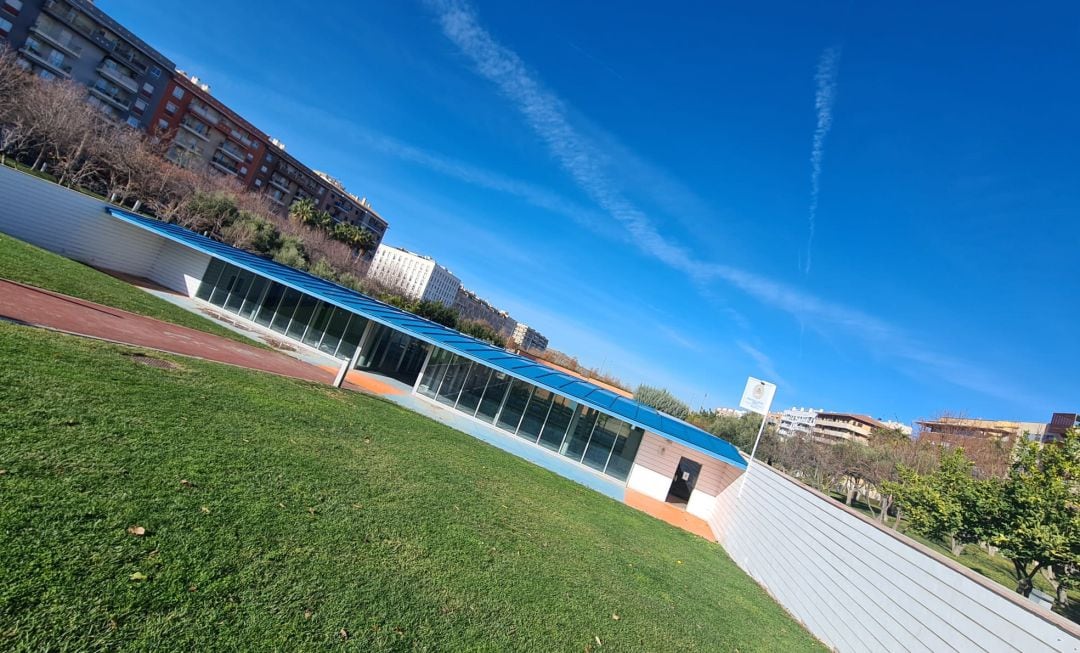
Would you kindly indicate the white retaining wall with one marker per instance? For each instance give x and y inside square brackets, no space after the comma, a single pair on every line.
[78,227]
[859,587]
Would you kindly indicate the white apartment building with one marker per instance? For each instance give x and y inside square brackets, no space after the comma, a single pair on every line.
[528,338]
[414,275]
[797,421]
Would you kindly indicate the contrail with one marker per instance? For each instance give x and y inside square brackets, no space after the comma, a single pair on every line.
[823,102]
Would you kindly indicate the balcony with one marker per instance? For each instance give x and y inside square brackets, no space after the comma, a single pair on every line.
[34,52]
[190,147]
[194,129]
[109,70]
[57,39]
[126,55]
[115,99]
[223,166]
[239,158]
[201,110]
[277,183]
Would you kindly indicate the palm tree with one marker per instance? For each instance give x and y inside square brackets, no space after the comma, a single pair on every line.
[302,211]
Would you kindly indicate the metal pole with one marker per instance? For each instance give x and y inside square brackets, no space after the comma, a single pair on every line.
[345,367]
[753,451]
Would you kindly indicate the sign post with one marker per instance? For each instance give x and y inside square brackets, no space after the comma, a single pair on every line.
[756,398]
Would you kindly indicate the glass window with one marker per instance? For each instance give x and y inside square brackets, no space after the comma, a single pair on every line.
[451,384]
[493,396]
[224,285]
[269,304]
[433,373]
[603,438]
[516,400]
[474,389]
[578,438]
[178,93]
[254,297]
[210,277]
[239,291]
[558,420]
[623,453]
[339,319]
[351,337]
[285,310]
[535,414]
[302,316]
[318,324]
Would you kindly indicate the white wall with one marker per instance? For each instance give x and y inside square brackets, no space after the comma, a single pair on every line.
[78,227]
[654,468]
[859,587]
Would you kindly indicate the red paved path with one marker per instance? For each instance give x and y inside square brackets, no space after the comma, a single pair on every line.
[44,308]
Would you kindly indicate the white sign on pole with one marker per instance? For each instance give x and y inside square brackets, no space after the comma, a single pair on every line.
[758,396]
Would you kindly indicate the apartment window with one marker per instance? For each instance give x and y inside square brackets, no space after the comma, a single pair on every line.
[155,72]
[178,93]
[258,182]
[134,122]
[147,89]
[13,7]
[139,106]
[170,108]
[263,169]
[163,124]
[5,26]
[243,170]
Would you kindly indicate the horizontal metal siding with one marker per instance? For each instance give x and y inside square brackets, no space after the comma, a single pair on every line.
[178,268]
[662,456]
[858,588]
[72,224]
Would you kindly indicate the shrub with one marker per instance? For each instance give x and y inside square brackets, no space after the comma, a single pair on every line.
[292,253]
[662,400]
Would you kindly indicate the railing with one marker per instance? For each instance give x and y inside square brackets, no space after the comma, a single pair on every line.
[194,130]
[35,53]
[55,37]
[114,99]
[114,73]
[226,151]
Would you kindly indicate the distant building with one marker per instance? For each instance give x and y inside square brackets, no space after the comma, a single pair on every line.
[1059,423]
[950,430]
[898,426]
[730,412]
[471,307]
[73,39]
[528,338]
[831,428]
[797,421]
[414,275]
[204,133]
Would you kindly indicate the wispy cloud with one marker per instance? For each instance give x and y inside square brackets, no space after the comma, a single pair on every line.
[581,157]
[824,98]
[764,363]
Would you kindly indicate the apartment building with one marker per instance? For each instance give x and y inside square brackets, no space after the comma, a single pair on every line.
[957,430]
[73,39]
[1059,423]
[831,428]
[797,421]
[471,307]
[528,338]
[414,275]
[206,134]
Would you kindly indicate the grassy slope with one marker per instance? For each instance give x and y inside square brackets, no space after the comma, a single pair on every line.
[405,533]
[25,263]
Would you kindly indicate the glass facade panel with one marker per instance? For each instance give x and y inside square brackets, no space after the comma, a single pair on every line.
[433,375]
[285,310]
[558,420]
[301,317]
[318,324]
[454,379]
[351,337]
[493,396]
[514,407]
[474,389]
[332,338]
[209,280]
[603,438]
[578,438]
[269,304]
[254,297]
[535,414]
[224,284]
[622,454]
[239,291]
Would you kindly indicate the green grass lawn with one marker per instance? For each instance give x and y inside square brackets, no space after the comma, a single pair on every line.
[25,263]
[281,515]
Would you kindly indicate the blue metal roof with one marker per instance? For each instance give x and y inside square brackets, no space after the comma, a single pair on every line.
[517,366]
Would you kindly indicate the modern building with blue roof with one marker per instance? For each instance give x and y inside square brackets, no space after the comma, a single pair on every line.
[600,431]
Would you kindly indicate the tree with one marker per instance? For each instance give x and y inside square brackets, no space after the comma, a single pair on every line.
[359,239]
[662,400]
[1038,523]
[437,312]
[481,331]
[303,211]
[940,505]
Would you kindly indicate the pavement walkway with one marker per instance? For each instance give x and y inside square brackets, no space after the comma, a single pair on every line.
[43,308]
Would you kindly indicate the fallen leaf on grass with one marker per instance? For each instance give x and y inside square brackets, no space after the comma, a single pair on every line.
[3,471]
[311,510]
[137,577]
[308,614]
[344,634]
[137,531]
[357,506]
[615,617]
[186,483]
[598,642]
[205,510]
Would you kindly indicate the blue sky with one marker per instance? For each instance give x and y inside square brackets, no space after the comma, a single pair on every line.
[875,207]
